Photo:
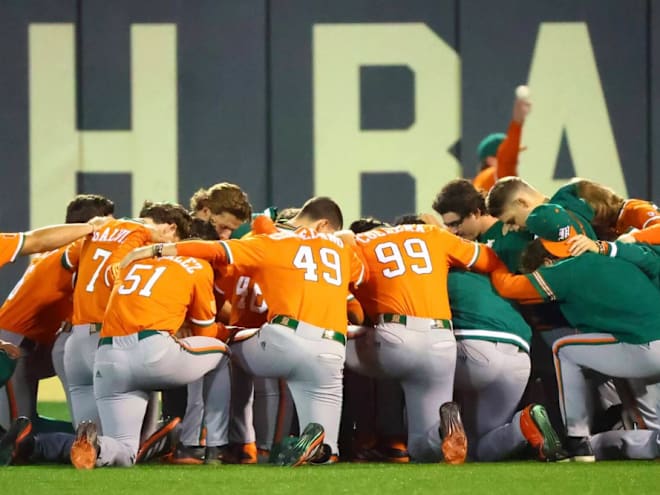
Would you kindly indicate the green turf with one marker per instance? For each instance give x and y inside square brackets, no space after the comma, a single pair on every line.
[55,410]
[506,478]
[509,478]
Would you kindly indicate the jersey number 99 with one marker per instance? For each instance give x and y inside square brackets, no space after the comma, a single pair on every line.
[389,252]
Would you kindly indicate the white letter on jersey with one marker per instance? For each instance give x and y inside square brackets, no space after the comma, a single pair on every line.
[342,151]
[568,97]
[58,150]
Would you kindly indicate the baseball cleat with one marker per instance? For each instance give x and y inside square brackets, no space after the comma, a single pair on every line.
[85,448]
[324,456]
[579,450]
[17,432]
[187,455]
[245,453]
[161,443]
[218,455]
[539,433]
[305,448]
[452,433]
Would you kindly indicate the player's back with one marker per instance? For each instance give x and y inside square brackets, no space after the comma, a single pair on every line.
[41,299]
[305,275]
[408,266]
[638,214]
[158,294]
[97,254]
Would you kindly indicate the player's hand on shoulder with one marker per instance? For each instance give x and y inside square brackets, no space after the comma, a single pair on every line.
[11,350]
[98,223]
[581,244]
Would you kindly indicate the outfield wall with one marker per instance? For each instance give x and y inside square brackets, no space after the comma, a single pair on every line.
[374,102]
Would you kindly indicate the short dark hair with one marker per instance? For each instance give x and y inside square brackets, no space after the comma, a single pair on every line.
[500,194]
[203,229]
[84,207]
[323,208]
[534,255]
[366,224]
[409,219]
[461,197]
[171,213]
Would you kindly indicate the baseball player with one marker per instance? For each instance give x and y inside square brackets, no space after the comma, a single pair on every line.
[225,205]
[32,242]
[93,261]
[463,211]
[412,341]
[613,215]
[498,153]
[512,199]
[31,314]
[303,341]
[137,353]
[617,326]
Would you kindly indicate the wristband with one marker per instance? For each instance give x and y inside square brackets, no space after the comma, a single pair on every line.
[157,250]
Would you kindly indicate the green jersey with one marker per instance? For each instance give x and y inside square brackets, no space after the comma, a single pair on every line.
[645,256]
[600,294]
[579,210]
[478,312]
[508,246]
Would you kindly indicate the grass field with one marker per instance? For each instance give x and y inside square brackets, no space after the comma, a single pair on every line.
[507,478]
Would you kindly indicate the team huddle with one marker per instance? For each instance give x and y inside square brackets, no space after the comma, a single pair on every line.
[511,326]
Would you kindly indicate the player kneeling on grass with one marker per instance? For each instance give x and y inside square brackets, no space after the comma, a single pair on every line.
[138,353]
[304,340]
[619,327]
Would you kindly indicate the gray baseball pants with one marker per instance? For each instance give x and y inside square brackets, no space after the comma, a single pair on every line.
[422,359]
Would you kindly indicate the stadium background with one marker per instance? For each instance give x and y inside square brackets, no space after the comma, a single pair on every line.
[374,102]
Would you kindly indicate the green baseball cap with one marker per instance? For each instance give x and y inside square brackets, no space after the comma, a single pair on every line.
[488,145]
[7,366]
[554,226]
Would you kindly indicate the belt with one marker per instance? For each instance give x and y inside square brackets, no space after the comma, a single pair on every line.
[93,327]
[403,319]
[141,336]
[293,325]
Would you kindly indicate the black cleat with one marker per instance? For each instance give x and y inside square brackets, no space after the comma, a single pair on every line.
[578,449]
[10,441]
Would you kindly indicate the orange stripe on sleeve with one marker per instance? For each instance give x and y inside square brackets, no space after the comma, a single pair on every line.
[517,287]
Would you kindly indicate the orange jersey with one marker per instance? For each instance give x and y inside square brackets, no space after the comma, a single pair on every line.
[303,274]
[638,214]
[96,256]
[507,160]
[160,294]
[248,307]
[408,267]
[10,247]
[41,299]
